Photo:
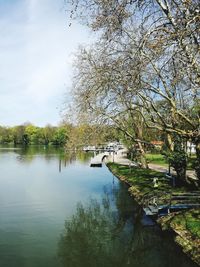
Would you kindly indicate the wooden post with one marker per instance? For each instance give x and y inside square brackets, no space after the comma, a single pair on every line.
[169,168]
[60,168]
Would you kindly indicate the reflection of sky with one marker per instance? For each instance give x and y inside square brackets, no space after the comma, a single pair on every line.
[39,182]
[35,198]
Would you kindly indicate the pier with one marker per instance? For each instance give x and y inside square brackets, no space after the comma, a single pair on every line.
[97,160]
[117,156]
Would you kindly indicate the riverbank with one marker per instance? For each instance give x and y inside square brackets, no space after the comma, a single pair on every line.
[185,225]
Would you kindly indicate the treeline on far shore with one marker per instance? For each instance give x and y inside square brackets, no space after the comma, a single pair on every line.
[28,134]
[65,134]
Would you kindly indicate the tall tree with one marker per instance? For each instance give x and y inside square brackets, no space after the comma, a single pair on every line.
[149,53]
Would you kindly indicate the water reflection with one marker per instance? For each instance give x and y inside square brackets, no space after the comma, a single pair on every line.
[110,233]
[35,199]
[27,154]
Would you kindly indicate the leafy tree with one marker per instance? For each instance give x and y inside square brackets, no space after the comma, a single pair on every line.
[178,158]
[20,136]
[32,133]
[47,134]
[60,136]
[5,135]
[29,134]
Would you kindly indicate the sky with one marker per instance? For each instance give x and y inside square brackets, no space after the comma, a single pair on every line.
[37,48]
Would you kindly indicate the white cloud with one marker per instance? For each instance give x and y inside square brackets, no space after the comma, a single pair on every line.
[36,47]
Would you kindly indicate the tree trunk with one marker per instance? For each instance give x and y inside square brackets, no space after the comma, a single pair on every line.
[181,172]
[197,167]
[143,160]
[139,135]
[170,144]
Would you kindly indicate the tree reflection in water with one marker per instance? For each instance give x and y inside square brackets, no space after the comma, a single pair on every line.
[111,234]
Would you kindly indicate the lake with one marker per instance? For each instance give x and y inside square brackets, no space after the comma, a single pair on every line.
[57,211]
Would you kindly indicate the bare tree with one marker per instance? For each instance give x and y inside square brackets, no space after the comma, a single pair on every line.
[148,53]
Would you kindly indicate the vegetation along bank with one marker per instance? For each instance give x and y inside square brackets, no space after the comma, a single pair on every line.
[185,224]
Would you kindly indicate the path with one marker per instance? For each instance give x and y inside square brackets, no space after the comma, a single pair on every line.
[120,157]
[190,174]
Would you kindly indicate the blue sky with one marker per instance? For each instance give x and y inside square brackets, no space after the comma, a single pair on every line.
[36,53]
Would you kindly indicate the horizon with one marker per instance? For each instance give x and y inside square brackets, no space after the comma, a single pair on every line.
[33,124]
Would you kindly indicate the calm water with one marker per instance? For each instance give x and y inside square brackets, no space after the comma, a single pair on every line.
[57,211]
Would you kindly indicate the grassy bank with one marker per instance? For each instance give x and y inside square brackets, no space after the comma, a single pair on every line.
[140,180]
[185,224]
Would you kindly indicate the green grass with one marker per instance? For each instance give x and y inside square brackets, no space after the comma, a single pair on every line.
[157,159]
[189,220]
[160,160]
[143,179]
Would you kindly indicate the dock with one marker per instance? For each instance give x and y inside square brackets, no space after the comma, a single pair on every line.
[117,156]
[97,160]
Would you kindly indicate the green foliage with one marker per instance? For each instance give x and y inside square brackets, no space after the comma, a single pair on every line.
[84,134]
[29,134]
[178,158]
[34,133]
[5,135]
[19,135]
[194,227]
[60,136]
